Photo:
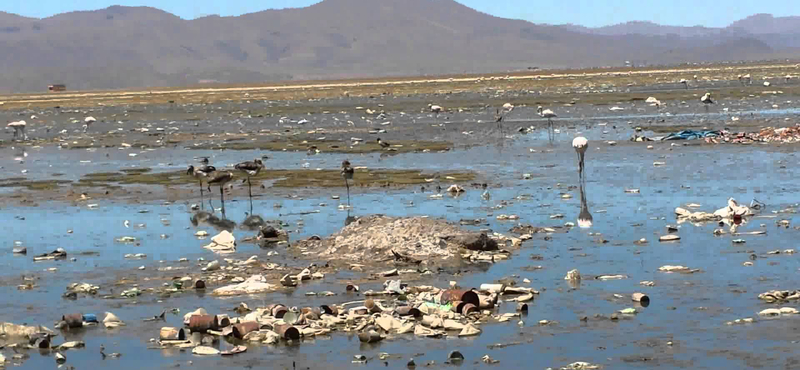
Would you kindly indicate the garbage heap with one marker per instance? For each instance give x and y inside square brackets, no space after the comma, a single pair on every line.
[418,240]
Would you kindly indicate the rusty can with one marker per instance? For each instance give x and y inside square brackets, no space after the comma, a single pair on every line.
[201,323]
[168,333]
[221,321]
[487,301]
[408,311]
[372,306]
[329,310]
[370,337]
[278,311]
[74,320]
[468,309]
[41,341]
[240,330]
[310,313]
[455,295]
[522,307]
[287,332]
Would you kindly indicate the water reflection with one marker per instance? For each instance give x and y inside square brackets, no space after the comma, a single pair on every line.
[584,218]
[203,217]
[350,219]
[252,222]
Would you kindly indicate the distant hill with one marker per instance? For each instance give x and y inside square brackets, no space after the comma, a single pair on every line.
[122,47]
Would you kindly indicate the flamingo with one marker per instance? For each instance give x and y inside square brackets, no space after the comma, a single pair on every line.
[706,100]
[549,114]
[19,129]
[746,78]
[347,174]
[200,173]
[580,144]
[250,168]
[220,178]
[88,122]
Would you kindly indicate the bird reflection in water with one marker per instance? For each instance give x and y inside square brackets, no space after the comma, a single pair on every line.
[584,218]
[350,219]
[252,222]
[205,218]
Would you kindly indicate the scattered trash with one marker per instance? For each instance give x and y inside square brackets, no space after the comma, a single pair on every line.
[222,243]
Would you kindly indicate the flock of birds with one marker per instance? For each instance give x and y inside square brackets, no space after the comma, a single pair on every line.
[208,174]
[211,176]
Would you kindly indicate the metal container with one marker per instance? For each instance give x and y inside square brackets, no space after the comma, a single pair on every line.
[201,323]
[278,311]
[74,320]
[408,311]
[287,332]
[240,330]
[455,295]
[168,333]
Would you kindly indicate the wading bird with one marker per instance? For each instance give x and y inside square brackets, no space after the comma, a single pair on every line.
[580,144]
[706,100]
[220,178]
[19,130]
[745,79]
[200,173]
[250,168]
[347,174]
[88,122]
[383,144]
[547,113]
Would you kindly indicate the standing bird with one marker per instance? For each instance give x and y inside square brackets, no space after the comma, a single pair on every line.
[201,173]
[706,100]
[347,174]
[19,130]
[580,144]
[88,122]
[746,79]
[547,113]
[383,144]
[220,178]
[498,118]
[250,168]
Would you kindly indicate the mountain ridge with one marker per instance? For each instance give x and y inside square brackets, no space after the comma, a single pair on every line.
[127,47]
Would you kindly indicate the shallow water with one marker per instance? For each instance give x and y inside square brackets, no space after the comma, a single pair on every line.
[688,310]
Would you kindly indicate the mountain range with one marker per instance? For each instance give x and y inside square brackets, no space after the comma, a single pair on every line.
[127,47]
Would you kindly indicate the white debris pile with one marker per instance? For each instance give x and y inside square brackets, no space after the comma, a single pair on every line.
[377,238]
[253,285]
[732,210]
[222,243]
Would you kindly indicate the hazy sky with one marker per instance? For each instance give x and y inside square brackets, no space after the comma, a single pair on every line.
[716,13]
